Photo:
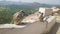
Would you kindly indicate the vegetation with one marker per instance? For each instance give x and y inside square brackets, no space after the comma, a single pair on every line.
[6,13]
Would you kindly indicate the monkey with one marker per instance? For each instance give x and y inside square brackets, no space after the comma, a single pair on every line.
[18,16]
[41,17]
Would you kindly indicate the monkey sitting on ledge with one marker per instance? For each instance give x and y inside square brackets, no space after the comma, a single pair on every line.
[17,17]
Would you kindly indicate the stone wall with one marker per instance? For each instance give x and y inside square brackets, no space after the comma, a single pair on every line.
[33,28]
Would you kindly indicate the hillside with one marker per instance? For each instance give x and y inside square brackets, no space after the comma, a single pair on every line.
[7,9]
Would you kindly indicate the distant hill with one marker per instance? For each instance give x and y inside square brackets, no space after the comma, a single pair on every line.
[26,4]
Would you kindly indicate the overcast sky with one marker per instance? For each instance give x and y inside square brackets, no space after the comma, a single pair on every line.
[40,1]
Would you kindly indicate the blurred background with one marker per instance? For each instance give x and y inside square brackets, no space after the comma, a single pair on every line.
[9,7]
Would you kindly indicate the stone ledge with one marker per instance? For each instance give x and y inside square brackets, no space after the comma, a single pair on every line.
[11,26]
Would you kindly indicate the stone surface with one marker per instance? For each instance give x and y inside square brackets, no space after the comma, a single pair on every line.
[31,18]
[45,11]
[34,28]
[12,26]
[56,28]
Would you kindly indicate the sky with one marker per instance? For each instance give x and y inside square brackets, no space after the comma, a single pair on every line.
[40,1]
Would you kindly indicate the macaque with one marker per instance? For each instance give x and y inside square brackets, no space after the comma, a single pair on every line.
[17,17]
[41,17]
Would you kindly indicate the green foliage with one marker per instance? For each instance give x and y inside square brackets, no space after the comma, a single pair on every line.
[6,13]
